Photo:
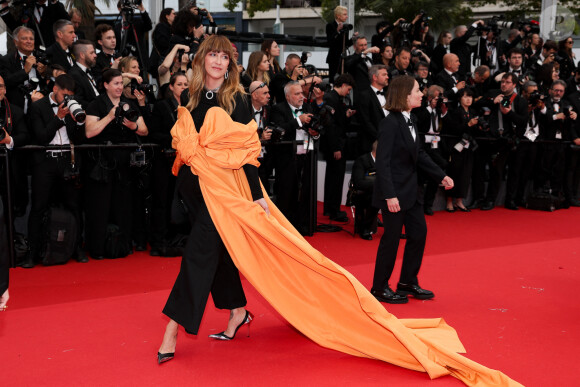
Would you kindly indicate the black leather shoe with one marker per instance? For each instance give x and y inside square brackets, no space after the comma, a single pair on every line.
[574,202]
[449,209]
[340,216]
[428,211]
[28,263]
[415,291]
[81,256]
[511,205]
[141,247]
[98,257]
[388,296]
[462,209]
[476,204]
[487,206]
[367,236]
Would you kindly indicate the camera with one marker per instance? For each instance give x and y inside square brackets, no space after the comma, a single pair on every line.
[320,120]
[304,57]
[211,30]
[124,110]
[202,12]
[128,50]
[405,26]
[142,87]
[29,86]
[416,53]
[466,141]
[483,119]
[277,133]
[535,97]
[76,110]
[130,4]
[425,18]
[346,27]
[506,102]
[41,56]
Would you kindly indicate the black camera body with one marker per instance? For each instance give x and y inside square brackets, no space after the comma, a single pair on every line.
[124,110]
[29,86]
[483,119]
[277,133]
[41,56]
[535,97]
[142,87]
[506,101]
[128,50]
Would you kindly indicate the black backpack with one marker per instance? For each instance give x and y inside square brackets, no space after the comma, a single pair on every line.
[60,237]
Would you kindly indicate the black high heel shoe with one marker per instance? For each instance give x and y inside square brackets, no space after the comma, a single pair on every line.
[163,357]
[222,335]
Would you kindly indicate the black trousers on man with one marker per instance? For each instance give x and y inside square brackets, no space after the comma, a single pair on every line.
[333,183]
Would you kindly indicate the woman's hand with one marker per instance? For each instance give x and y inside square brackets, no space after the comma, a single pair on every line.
[129,124]
[393,205]
[140,97]
[3,300]
[262,203]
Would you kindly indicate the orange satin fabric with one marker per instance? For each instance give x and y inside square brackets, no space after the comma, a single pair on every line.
[318,297]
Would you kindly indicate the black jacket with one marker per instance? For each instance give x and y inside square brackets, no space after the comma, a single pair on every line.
[370,113]
[59,56]
[142,24]
[84,91]
[335,137]
[14,76]
[462,49]
[335,41]
[18,128]
[446,81]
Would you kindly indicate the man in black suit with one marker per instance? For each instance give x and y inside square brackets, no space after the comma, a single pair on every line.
[293,71]
[85,83]
[338,41]
[358,64]
[371,107]
[42,14]
[59,52]
[260,99]
[429,120]
[509,114]
[77,18]
[449,78]
[399,156]
[439,51]
[334,141]
[402,63]
[141,23]
[363,180]
[292,184]
[461,48]
[52,124]
[19,67]
[105,37]
[547,55]
[4,264]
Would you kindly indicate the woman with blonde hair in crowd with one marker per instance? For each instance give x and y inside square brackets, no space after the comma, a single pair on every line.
[258,66]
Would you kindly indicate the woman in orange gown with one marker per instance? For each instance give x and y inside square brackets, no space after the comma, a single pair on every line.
[317,296]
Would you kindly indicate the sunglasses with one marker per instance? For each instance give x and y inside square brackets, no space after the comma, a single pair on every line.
[257,87]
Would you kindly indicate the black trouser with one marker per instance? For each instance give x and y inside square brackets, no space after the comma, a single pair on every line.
[140,201]
[206,265]
[416,230]
[48,185]
[107,197]
[572,173]
[552,161]
[365,214]
[162,190]
[520,170]
[333,183]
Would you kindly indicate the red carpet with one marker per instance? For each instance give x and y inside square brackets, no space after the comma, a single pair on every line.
[505,281]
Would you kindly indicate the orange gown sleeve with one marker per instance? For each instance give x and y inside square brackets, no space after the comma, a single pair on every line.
[318,297]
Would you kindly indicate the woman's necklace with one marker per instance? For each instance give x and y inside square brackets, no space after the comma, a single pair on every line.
[209,93]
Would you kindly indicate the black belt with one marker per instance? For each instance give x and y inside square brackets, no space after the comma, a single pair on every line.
[57,153]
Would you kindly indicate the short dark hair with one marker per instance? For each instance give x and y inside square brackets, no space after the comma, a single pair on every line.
[513,78]
[381,24]
[59,25]
[422,63]
[515,51]
[65,81]
[550,45]
[402,49]
[163,15]
[468,91]
[184,19]
[109,74]
[397,93]
[78,46]
[101,29]
[344,79]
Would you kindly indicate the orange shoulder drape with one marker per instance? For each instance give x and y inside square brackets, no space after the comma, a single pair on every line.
[317,296]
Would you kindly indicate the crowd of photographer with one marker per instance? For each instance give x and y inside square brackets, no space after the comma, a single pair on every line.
[494,109]
[512,111]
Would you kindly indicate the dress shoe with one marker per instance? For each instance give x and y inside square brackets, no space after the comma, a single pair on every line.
[222,335]
[164,357]
[379,223]
[388,296]
[487,206]
[574,202]
[81,256]
[415,291]
[478,203]
[141,247]
[462,209]
[367,236]
[428,211]
[511,205]
[449,209]
[28,263]
[340,216]
[98,257]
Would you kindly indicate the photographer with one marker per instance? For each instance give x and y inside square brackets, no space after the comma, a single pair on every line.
[20,69]
[383,35]
[522,165]
[164,117]
[402,62]
[363,180]
[76,18]
[293,71]
[59,52]
[39,16]
[187,30]
[55,171]
[106,58]
[515,60]
[333,144]
[449,78]
[132,28]
[460,124]
[358,64]
[429,125]
[566,57]
[509,113]
[461,48]
[338,41]
[111,118]
[172,64]
[292,183]
[160,37]
[260,99]
[555,124]
[572,177]
[82,72]
[371,108]
[547,55]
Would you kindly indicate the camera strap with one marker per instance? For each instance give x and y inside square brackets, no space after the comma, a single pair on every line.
[8,115]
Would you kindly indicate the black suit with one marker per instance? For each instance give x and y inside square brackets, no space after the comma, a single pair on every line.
[142,24]
[12,70]
[104,62]
[59,56]
[356,65]
[370,114]
[337,43]
[292,183]
[51,14]
[436,64]
[48,171]
[363,179]
[398,158]
[447,82]
[84,91]
[462,49]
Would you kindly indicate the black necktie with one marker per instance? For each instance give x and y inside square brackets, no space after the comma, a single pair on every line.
[434,120]
[24,57]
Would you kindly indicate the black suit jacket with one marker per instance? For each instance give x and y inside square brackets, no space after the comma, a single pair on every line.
[436,64]
[164,117]
[514,122]
[4,264]
[142,24]
[44,124]
[14,76]
[446,81]
[335,137]
[574,99]
[84,91]
[462,49]
[51,14]
[550,127]
[398,158]
[335,44]
[103,63]
[281,115]
[18,130]
[58,56]
[370,113]
[355,65]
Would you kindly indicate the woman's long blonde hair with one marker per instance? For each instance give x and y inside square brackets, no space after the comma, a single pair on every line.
[254,61]
[229,89]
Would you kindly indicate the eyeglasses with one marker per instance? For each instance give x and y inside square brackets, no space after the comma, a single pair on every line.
[258,87]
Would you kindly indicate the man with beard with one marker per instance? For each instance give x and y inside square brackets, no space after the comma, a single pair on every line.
[86,86]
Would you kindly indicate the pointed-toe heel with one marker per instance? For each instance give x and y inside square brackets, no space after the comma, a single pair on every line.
[164,357]
[222,335]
